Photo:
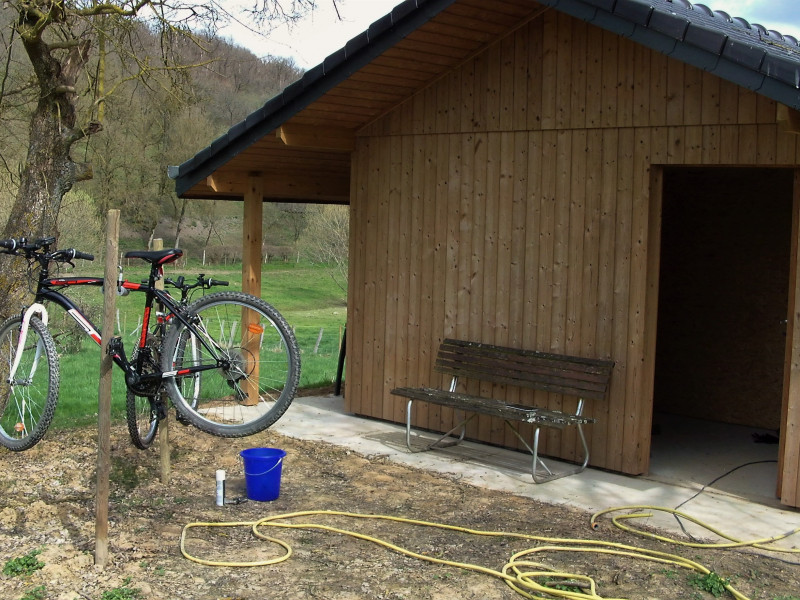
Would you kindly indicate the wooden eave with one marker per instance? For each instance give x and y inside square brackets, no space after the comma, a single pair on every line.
[321,163]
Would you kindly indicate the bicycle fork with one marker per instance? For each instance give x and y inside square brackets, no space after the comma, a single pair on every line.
[12,375]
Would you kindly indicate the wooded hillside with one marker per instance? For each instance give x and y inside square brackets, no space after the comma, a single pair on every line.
[148,124]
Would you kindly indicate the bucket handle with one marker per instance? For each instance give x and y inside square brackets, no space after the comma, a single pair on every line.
[272,468]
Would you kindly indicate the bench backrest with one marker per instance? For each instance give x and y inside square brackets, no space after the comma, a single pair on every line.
[576,376]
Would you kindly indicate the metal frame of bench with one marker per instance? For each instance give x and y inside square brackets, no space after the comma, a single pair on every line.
[569,375]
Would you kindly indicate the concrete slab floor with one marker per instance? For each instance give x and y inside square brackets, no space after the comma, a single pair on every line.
[686,455]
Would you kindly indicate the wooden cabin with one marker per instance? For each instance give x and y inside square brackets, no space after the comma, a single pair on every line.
[605,178]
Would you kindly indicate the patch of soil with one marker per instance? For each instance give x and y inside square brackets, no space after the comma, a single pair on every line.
[49,496]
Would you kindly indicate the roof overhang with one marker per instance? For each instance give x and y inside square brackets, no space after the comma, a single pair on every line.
[300,141]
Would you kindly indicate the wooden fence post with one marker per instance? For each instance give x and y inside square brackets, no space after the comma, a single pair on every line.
[104,393]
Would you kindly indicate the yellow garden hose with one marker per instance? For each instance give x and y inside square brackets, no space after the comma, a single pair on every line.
[529,579]
[760,543]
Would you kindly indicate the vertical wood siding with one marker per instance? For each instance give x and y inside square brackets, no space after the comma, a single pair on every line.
[511,203]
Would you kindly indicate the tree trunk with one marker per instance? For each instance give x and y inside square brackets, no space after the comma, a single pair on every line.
[49,171]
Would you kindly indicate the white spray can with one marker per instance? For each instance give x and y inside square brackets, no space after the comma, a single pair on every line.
[220,487]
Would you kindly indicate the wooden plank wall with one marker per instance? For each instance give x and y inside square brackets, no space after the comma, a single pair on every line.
[510,203]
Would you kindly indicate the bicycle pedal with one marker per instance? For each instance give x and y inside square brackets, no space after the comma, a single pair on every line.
[114,345]
[116,348]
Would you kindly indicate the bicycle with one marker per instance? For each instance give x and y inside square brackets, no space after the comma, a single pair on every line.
[228,361]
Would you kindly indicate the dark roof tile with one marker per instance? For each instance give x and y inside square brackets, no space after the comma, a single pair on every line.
[292,91]
[380,26]
[702,8]
[254,118]
[334,60]
[219,143]
[237,130]
[669,24]
[403,9]
[711,40]
[740,22]
[604,4]
[635,11]
[743,53]
[312,75]
[701,60]
[613,23]
[356,44]
[783,69]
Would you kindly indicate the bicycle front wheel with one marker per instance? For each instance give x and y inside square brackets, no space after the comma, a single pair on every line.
[252,358]
[29,395]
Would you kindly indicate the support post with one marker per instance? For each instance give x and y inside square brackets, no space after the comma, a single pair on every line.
[251,277]
[104,393]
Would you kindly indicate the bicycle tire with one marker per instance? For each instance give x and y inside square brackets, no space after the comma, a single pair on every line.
[142,416]
[263,371]
[27,405]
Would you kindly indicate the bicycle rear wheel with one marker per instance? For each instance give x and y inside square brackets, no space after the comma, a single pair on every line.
[141,413]
[255,358]
[28,400]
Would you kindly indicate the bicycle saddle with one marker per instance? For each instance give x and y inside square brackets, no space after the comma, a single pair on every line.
[159,257]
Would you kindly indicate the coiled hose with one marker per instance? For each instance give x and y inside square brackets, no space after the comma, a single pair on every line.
[528,578]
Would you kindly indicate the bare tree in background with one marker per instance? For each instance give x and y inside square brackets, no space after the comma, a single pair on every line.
[325,239]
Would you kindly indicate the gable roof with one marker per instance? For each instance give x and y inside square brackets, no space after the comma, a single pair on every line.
[421,40]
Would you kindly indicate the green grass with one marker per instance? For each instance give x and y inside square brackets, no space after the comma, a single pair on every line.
[305,295]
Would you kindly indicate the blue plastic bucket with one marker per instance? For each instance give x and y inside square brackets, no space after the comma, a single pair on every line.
[262,472]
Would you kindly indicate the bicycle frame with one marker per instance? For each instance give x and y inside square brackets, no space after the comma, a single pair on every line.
[46,292]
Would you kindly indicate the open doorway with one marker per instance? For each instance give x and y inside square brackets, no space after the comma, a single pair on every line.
[723,297]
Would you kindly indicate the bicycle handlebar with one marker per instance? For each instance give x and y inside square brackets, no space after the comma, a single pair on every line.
[71,254]
[29,249]
[202,282]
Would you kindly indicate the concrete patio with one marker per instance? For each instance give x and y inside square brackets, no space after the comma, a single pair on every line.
[686,455]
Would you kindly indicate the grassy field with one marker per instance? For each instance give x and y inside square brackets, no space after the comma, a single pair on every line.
[304,294]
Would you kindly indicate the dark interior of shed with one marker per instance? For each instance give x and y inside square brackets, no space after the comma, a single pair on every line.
[723,294]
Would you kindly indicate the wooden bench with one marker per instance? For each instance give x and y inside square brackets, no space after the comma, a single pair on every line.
[583,378]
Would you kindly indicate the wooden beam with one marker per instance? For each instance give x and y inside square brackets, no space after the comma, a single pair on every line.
[788,119]
[323,187]
[251,281]
[789,447]
[337,139]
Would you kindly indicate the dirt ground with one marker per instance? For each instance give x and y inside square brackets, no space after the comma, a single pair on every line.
[48,502]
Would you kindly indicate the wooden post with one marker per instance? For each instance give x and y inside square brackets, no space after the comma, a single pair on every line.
[163,426]
[104,393]
[319,340]
[251,276]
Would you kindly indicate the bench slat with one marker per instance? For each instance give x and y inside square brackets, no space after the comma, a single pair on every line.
[516,412]
[583,377]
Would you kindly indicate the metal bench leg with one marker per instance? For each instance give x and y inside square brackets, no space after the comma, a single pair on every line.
[548,475]
[441,442]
